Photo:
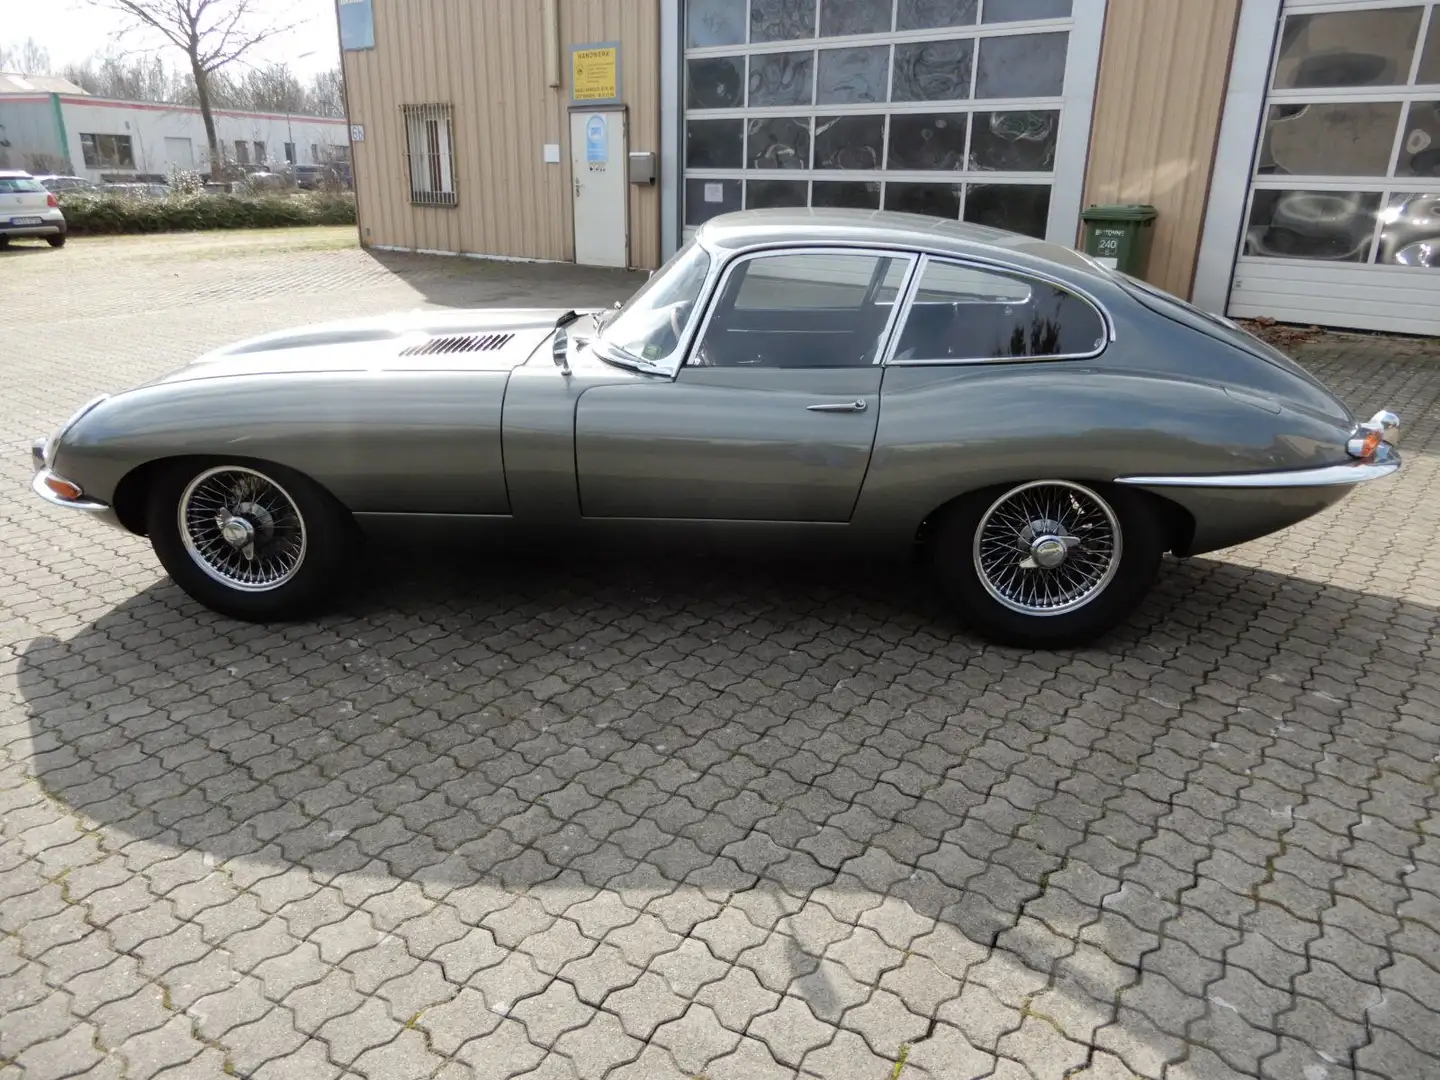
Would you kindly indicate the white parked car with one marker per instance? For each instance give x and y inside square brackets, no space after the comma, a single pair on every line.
[27,209]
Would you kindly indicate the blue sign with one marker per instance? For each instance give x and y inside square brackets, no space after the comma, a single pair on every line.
[357,24]
[597,146]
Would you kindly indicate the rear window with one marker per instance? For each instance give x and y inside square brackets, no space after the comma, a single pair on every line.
[10,185]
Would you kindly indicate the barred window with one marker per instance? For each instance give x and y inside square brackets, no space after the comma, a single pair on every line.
[430,154]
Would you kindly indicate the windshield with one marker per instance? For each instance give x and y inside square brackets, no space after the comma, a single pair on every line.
[652,322]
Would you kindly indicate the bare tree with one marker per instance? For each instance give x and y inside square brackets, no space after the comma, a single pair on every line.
[211,34]
[28,58]
[327,93]
[131,78]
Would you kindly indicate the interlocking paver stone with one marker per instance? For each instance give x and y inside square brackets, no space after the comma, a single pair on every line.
[664,796]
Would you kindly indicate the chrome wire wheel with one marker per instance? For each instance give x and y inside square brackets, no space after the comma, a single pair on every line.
[242,528]
[1047,548]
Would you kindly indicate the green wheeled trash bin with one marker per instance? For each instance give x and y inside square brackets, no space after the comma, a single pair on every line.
[1119,236]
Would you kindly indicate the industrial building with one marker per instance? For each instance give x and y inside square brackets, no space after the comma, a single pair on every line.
[50,125]
[1289,146]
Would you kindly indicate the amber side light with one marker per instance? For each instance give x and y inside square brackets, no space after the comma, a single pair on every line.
[64,488]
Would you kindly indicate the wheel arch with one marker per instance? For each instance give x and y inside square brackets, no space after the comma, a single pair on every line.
[1177,523]
[132,493]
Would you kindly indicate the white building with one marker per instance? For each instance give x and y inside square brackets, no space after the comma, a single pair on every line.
[48,129]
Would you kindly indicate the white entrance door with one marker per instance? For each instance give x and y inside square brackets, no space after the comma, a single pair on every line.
[180,153]
[597,164]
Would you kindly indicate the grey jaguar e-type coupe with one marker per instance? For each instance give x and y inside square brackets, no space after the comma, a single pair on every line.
[1044,428]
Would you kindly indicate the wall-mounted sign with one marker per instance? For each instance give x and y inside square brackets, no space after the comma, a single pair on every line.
[597,144]
[357,132]
[595,73]
[357,24]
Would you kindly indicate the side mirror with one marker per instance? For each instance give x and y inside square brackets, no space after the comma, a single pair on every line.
[560,351]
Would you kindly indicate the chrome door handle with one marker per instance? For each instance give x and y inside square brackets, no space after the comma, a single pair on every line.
[858,405]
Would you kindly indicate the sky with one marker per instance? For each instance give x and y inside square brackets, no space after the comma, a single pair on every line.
[74,29]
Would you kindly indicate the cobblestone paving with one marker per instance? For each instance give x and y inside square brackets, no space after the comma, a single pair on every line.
[653,820]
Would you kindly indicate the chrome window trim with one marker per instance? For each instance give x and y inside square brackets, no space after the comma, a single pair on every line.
[670,364]
[1324,476]
[1107,324]
[987,256]
[911,257]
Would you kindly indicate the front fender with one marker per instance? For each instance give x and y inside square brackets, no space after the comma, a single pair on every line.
[408,441]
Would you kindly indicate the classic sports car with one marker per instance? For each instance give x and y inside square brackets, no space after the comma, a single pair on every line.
[1043,427]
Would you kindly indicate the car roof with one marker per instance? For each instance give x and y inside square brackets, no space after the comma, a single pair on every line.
[14,174]
[747,229]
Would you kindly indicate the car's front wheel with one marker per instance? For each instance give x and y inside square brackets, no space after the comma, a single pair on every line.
[252,541]
[1050,563]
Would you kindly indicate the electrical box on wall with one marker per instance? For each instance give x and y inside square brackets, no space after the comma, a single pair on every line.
[642,166]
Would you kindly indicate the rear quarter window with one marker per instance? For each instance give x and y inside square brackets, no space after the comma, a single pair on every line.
[969,313]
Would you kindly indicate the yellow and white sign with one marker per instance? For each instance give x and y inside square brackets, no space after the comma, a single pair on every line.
[595,73]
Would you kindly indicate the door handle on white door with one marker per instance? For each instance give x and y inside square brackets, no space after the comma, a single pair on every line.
[858,405]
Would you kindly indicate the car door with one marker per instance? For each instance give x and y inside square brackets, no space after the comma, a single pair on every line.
[22,200]
[773,415]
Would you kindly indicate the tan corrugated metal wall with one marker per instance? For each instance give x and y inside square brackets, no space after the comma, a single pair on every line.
[1164,67]
[486,58]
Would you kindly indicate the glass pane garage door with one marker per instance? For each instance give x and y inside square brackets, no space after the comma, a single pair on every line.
[950,108]
[1343,224]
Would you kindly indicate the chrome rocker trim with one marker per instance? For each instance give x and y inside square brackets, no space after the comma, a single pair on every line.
[1384,463]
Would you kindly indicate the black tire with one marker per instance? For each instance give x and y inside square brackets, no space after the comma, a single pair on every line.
[4,242]
[327,538]
[955,555]
[56,241]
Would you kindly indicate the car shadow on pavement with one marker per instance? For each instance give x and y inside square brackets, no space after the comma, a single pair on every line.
[646,754]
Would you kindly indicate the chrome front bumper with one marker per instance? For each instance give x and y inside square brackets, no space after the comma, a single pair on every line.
[40,487]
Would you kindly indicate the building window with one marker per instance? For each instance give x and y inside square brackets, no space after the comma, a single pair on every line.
[429,154]
[242,151]
[259,152]
[949,108]
[107,151]
[1350,145]
[289,153]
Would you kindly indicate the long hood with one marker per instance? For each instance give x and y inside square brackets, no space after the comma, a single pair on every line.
[444,340]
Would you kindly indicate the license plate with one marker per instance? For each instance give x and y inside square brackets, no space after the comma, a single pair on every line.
[24,221]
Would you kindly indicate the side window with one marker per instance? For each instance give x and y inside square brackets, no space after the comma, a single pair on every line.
[811,310]
[967,313]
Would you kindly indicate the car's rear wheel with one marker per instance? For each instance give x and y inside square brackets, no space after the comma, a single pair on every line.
[252,541]
[1049,563]
[56,241]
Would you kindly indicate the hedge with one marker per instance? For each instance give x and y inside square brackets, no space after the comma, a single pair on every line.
[89,212]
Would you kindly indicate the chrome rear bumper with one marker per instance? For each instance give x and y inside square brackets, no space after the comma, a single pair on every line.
[1384,462]
[1372,448]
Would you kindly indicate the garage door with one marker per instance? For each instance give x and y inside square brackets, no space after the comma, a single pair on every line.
[1343,222]
[951,108]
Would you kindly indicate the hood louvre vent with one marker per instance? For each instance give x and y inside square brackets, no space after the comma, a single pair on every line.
[460,344]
